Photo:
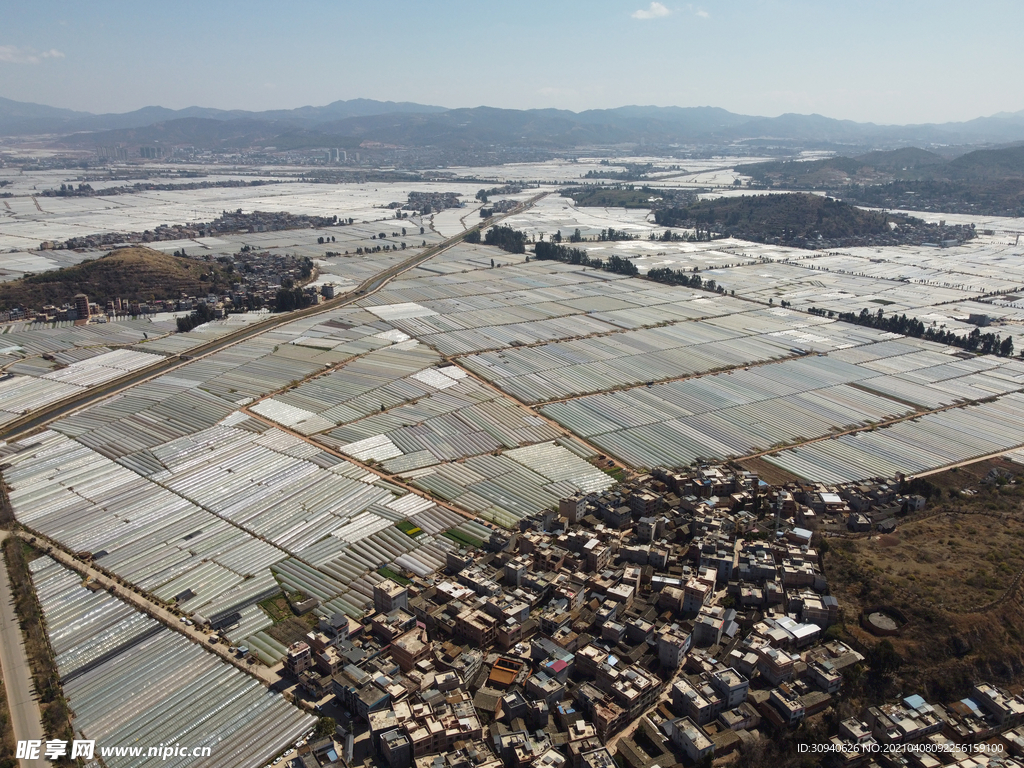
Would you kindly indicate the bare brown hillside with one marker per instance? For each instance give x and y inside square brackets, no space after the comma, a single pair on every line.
[956,571]
[136,273]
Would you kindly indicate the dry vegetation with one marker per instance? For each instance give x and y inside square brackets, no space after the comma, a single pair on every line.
[288,628]
[951,561]
[293,629]
[952,571]
[136,273]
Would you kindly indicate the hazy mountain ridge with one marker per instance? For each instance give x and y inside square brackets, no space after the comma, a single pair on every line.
[23,117]
[346,123]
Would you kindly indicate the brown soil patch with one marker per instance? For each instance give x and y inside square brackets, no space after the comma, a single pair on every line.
[768,472]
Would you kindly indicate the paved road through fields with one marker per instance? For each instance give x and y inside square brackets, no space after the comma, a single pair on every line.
[21,695]
[43,416]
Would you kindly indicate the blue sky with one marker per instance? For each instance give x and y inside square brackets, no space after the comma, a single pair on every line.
[897,61]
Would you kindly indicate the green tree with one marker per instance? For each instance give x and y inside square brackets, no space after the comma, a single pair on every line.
[883,661]
[325,727]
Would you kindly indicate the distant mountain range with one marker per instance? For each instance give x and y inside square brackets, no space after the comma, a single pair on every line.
[349,123]
[20,118]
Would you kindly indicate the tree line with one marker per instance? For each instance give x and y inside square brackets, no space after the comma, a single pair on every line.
[682,277]
[504,237]
[556,252]
[201,314]
[291,298]
[514,241]
[621,266]
[975,341]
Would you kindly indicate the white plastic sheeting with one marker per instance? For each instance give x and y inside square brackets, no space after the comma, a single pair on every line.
[132,682]
[934,440]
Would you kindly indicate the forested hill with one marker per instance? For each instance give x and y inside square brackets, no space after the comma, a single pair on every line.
[908,163]
[803,221]
[987,181]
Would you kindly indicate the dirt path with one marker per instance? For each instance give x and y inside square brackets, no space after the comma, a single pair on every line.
[266,675]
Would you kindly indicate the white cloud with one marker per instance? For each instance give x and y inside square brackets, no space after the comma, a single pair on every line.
[656,11]
[12,54]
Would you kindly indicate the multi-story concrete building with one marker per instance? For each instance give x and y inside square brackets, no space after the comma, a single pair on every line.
[696,594]
[731,685]
[688,736]
[389,595]
[672,648]
[410,648]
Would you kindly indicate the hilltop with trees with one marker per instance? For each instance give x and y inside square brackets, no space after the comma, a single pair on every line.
[136,273]
[803,221]
[986,181]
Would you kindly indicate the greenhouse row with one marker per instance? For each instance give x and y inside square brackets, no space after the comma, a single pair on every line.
[507,487]
[742,412]
[465,419]
[573,368]
[225,517]
[131,526]
[381,378]
[20,395]
[910,447]
[103,368]
[25,339]
[181,694]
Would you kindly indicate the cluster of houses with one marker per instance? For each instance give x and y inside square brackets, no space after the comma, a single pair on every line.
[984,729]
[228,221]
[670,620]
[259,276]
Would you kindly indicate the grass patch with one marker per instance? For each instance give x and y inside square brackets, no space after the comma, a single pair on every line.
[277,608]
[408,527]
[463,539]
[387,573]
